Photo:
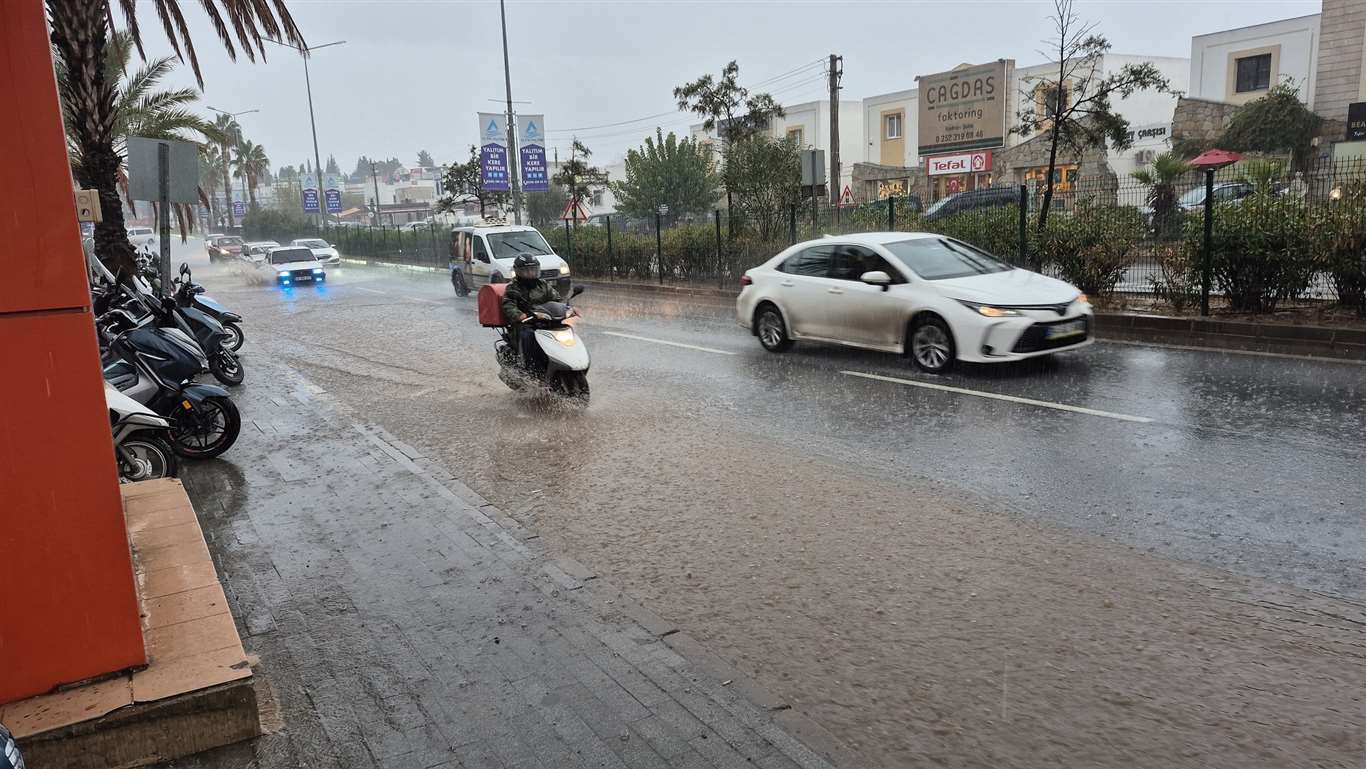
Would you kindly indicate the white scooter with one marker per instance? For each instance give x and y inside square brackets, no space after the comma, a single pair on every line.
[566,356]
[141,447]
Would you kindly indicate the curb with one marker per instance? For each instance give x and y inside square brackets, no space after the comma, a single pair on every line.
[393,265]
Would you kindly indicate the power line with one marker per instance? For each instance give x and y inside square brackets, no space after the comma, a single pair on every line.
[789,73]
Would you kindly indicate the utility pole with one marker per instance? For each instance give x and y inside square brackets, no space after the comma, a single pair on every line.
[835,73]
[305,53]
[512,134]
[374,177]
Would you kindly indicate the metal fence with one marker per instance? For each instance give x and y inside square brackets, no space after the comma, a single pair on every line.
[1269,238]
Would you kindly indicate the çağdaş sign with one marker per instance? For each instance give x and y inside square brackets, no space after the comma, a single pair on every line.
[963,109]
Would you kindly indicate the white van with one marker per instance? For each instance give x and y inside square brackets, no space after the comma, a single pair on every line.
[487,253]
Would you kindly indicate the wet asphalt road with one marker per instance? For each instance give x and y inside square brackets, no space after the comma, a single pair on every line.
[935,576]
[1250,463]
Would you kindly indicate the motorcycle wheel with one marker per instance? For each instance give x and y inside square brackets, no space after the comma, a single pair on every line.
[145,456]
[226,368]
[207,430]
[235,337]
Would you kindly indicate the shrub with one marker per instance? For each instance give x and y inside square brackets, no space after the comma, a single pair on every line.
[1093,246]
[690,252]
[1260,250]
[273,224]
[1338,234]
[1178,279]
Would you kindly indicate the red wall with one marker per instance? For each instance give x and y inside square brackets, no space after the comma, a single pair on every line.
[68,605]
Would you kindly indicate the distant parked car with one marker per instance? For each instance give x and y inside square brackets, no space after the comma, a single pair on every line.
[142,237]
[972,200]
[326,252]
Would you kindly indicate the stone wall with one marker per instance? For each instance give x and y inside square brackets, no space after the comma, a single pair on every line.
[1340,50]
[1200,120]
[867,176]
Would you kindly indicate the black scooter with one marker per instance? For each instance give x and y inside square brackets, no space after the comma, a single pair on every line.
[191,294]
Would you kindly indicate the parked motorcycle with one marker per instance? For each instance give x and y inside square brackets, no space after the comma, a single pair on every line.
[208,333]
[141,446]
[156,367]
[191,294]
[563,370]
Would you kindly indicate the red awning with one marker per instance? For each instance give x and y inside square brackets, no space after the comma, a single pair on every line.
[1215,159]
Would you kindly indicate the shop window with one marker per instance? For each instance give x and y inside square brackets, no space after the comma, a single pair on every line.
[893,125]
[1254,73]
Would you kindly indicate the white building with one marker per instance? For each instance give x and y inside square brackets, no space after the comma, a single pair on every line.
[808,124]
[1238,65]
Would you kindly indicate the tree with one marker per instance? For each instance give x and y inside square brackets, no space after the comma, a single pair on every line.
[463,182]
[765,175]
[1073,108]
[670,172]
[211,174]
[80,32]
[729,109]
[250,163]
[1161,178]
[287,174]
[578,178]
[332,167]
[424,159]
[1276,122]
[544,208]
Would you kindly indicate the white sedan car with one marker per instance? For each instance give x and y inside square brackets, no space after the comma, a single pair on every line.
[934,298]
[326,252]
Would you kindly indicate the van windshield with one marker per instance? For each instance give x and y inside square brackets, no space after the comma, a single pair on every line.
[508,245]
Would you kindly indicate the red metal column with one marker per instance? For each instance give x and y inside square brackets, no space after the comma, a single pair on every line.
[68,605]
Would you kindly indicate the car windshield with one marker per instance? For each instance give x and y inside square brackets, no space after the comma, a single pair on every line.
[942,258]
[507,245]
[938,204]
[311,243]
[231,240]
[1193,197]
[283,255]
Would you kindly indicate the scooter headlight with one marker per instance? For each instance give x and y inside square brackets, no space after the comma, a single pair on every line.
[565,337]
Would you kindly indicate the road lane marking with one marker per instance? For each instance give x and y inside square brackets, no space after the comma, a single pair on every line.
[425,301]
[671,344]
[1000,397]
[371,290]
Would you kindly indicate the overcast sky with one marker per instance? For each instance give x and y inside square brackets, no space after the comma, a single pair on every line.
[413,73]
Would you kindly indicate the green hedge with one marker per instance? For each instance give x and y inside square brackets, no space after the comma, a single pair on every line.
[1261,252]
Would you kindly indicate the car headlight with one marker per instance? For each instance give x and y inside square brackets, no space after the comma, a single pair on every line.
[317,270]
[989,311]
[564,336]
[564,271]
[1083,298]
[283,274]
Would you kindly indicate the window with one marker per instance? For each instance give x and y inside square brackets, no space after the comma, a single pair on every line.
[893,125]
[1254,73]
[480,255]
[508,245]
[287,255]
[851,262]
[813,262]
[797,135]
[941,258]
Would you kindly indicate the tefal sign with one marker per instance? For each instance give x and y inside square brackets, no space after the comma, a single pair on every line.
[961,163]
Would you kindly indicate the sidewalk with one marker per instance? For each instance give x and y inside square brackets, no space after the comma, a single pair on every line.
[401,621]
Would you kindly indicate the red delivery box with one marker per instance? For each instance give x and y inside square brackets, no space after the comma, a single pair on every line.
[491,304]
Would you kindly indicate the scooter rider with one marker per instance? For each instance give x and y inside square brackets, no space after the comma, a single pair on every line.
[519,301]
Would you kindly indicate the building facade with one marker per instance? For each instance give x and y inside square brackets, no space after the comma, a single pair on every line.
[1236,66]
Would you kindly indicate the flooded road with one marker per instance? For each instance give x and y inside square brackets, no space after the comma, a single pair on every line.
[936,575]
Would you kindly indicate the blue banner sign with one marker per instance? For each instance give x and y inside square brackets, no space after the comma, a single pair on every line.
[332,194]
[239,208]
[531,147]
[309,192]
[493,152]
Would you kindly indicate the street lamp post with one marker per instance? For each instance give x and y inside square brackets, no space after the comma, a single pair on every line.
[305,52]
[512,160]
[227,177]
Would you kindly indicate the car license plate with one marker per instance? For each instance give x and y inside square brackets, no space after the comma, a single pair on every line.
[1070,328]
[304,277]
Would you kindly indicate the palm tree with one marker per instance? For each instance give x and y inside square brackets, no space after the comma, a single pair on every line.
[251,164]
[81,37]
[1161,178]
[211,174]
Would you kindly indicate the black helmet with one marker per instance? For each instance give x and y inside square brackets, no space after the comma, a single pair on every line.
[526,267]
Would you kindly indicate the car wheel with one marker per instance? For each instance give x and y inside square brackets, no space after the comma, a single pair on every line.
[931,346]
[772,329]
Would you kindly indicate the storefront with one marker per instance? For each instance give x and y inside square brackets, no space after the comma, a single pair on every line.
[958,172]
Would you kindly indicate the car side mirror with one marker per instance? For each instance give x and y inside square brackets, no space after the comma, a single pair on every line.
[877,278]
[184,268]
[575,291]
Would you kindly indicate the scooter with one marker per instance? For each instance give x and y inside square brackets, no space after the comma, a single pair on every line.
[156,367]
[564,370]
[222,362]
[191,295]
[140,446]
